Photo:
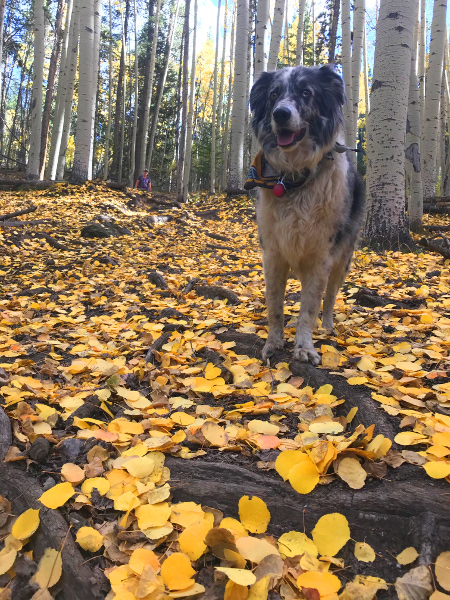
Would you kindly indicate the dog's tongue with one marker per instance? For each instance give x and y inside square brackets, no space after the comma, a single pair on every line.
[285,137]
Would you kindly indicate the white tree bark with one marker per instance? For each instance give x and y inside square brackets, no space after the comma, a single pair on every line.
[95,70]
[190,123]
[58,120]
[147,101]
[275,38]
[347,69]
[86,94]
[385,179]
[366,73]
[261,35]
[221,88]
[239,97]
[124,100]
[421,67]
[300,29]
[36,98]
[412,152]
[108,126]
[136,93]
[212,183]
[161,90]
[286,36]
[359,14]
[432,97]
[72,58]
[442,133]
[225,137]
[313,27]
[2,21]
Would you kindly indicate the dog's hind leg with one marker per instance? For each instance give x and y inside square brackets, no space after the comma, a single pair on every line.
[337,277]
[313,280]
[275,273]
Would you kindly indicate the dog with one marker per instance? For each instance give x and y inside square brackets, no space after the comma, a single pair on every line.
[311,226]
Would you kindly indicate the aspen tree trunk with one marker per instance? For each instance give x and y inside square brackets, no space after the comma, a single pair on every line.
[385,179]
[108,126]
[412,148]
[161,85]
[66,115]
[333,31]
[86,94]
[58,120]
[184,101]
[51,77]
[347,69]
[442,133]
[366,75]
[149,90]
[95,71]
[225,138]
[38,79]
[239,97]
[421,68]
[432,97]
[212,186]
[445,187]
[313,27]
[124,96]
[275,38]
[190,125]
[2,21]
[359,14]
[300,29]
[286,36]
[261,35]
[136,93]
[222,84]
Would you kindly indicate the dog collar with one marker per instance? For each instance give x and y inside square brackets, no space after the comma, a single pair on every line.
[261,174]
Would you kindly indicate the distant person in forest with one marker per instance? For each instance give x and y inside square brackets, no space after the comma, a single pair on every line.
[143,182]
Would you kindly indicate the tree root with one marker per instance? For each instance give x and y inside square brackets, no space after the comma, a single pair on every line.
[435,247]
[18,213]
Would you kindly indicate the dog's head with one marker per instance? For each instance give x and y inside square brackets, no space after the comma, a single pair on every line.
[297,113]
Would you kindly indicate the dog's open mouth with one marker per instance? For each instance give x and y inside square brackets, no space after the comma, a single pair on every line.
[287,137]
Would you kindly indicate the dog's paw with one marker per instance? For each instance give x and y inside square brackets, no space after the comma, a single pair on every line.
[307,354]
[270,347]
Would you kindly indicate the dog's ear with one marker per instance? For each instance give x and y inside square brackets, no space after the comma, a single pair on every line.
[333,82]
[259,93]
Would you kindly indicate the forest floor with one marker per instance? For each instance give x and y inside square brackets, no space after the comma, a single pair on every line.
[150,453]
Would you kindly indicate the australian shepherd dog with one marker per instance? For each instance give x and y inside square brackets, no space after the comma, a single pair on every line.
[312,226]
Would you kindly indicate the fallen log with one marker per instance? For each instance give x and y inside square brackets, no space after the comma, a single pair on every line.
[437,227]
[435,247]
[54,243]
[436,210]
[18,213]
[24,223]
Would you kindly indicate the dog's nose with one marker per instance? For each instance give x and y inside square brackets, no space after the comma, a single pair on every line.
[281,115]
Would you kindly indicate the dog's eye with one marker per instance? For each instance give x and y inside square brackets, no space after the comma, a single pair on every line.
[273,95]
[306,93]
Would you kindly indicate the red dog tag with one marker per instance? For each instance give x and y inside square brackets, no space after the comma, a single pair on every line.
[279,189]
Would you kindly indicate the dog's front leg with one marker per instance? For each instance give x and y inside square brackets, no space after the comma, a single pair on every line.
[313,286]
[275,274]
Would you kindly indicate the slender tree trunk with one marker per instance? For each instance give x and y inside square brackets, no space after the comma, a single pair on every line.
[2,21]
[149,90]
[136,93]
[385,223]
[178,111]
[442,133]
[313,28]
[422,60]
[95,72]
[347,69]
[221,88]
[118,111]
[50,86]
[333,31]
[184,104]
[190,125]
[225,138]
[412,152]
[124,107]
[161,85]
[275,38]
[432,97]
[359,14]
[261,35]
[58,120]
[366,76]
[18,104]
[286,36]
[38,80]
[300,30]
[239,97]
[212,186]
[108,126]
[66,115]
[86,94]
